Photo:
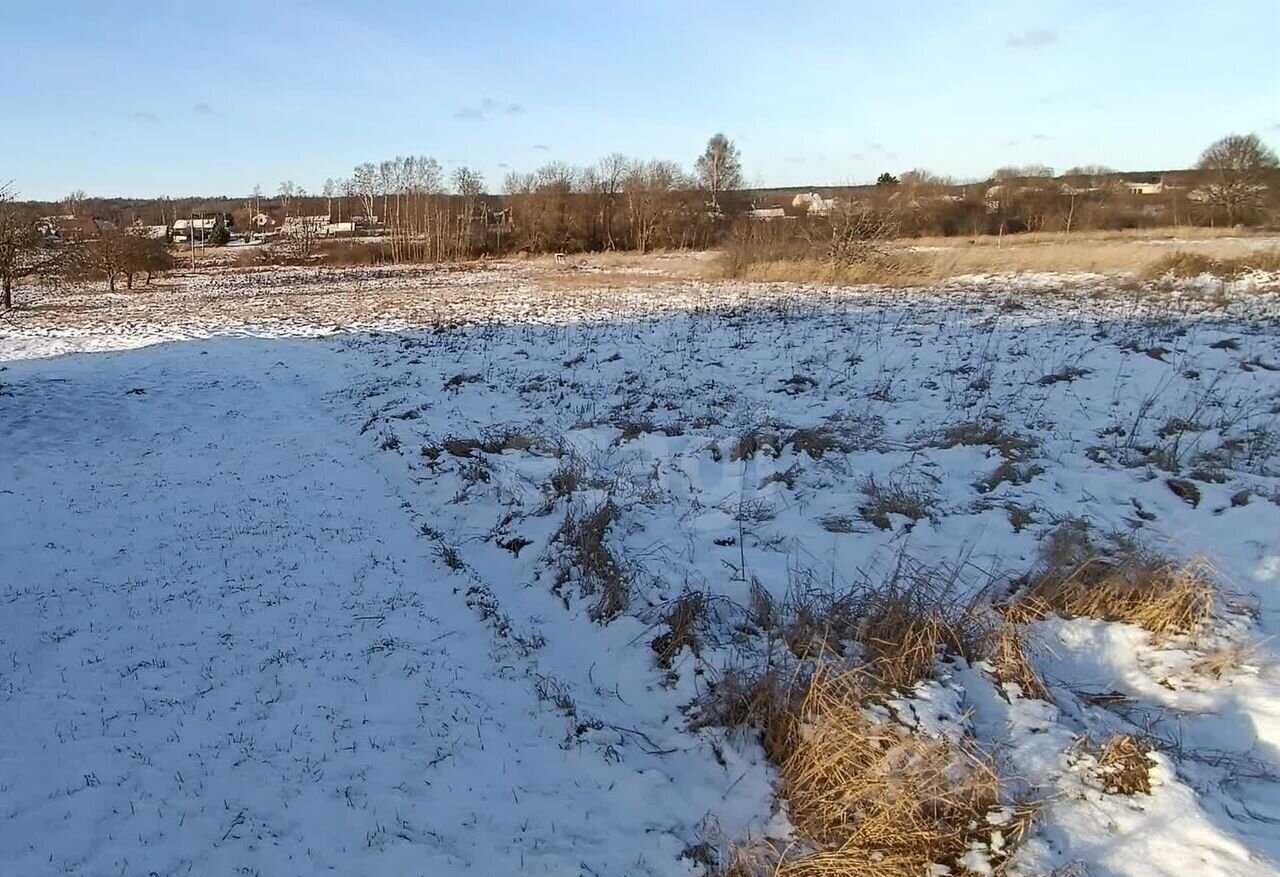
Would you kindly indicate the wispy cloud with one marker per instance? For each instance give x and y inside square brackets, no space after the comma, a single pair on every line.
[542,147]
[486,108]
[1034,38]
[203,108]
[144,116]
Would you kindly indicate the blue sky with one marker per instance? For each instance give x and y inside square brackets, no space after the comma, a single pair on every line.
[211,97]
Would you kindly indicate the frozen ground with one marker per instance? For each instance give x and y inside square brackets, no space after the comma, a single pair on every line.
[287,606]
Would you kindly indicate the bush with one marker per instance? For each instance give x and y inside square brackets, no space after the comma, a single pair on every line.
[220,236]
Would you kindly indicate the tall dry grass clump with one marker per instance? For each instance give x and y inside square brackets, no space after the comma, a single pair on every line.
[1123,583]
[1011,663]
[1124,767]
[587,560]
[872,797]
[867,794]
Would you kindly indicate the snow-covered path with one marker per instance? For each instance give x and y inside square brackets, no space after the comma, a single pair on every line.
[224,649]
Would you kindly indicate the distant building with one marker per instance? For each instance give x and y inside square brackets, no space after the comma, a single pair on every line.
[198,228]
[70,228]
[813,203]
[767,213]
[261,220]
[305,226]
[1140,188]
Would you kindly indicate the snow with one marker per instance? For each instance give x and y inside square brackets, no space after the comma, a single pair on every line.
[255,616]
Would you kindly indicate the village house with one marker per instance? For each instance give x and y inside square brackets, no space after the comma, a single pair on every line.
[813,204]
[1141,188]
[198,228]
[70,229]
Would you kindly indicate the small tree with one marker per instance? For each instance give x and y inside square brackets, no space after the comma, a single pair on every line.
[886,179]
[719,168]
[143,254]
[106,256]
[23,252]
[220,236]
[1236,170]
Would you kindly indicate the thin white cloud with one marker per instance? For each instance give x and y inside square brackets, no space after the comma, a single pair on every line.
[485,108]
[1034,38]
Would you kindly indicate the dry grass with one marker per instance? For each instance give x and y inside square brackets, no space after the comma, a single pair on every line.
[1226,660]
[927,261]
[1125,583]
[589,562]
[1007,654]
[683,619]
[1183,263]
[898,628]
[755,441]
[871,797]
[1124,767]
[885,499]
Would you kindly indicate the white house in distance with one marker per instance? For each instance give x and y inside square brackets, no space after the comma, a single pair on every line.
[813,203]
[199,228]
[316,226]
[1138,188]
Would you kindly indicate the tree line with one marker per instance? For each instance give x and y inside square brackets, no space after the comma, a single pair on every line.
[421,213]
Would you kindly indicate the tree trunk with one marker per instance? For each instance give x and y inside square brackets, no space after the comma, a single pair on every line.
[129,280]
[8,292]
[111,283]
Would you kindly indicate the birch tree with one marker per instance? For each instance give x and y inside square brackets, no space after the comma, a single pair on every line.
[719,168]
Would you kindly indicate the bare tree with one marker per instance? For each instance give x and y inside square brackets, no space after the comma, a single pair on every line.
[719,168]
[611,171]
[470,185]
[144,255]
[365,178]
[652,204]
[330,189]
[287,191]
[1236,170]
[23,252]
[73,203]
[106,256]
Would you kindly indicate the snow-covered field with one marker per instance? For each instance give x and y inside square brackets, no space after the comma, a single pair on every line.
[279,605]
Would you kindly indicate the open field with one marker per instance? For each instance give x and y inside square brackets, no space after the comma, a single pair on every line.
[590,569]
